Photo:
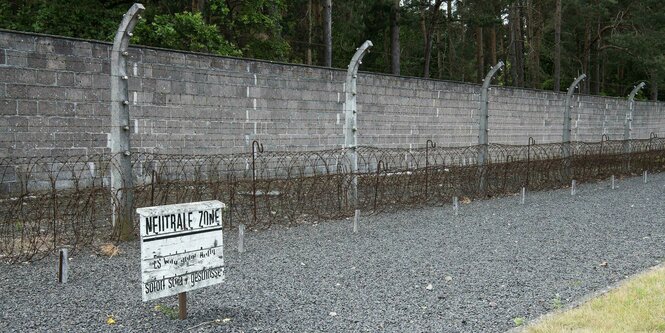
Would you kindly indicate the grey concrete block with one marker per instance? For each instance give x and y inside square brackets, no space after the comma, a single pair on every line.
[133,84]
[38,125]
[8,107]
[18,42]
[54,63]
[48,108]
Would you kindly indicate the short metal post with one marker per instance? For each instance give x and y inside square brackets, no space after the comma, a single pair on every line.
[645,176]
[613,187]
[241,238]
[523,194]
[182,306]
[63,266]
[428,144]
[455,205]
[573,186]
[356,217]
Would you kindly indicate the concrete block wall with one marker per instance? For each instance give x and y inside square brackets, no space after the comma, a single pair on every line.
[601,116]
[406,112]
[515,115]
[648,118]
[54,96]
[55,93]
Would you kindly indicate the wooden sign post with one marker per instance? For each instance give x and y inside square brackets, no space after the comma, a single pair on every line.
[181,249]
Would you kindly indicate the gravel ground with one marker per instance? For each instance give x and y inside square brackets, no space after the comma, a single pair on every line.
[423,270]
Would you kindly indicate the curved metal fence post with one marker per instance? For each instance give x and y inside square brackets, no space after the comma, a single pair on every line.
[483,140]
[350,120]
[566,123]
[628,122]
[121,174]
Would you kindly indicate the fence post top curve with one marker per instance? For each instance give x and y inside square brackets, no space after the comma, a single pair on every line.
[635,90]
[356,60]
[490,74]
[573,85]
[125,28]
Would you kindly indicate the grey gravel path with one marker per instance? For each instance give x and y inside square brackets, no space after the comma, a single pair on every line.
[422,270]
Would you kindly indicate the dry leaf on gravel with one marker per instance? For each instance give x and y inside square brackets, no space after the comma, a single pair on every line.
[109,250]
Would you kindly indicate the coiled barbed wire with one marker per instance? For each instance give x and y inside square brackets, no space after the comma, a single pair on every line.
[47,202]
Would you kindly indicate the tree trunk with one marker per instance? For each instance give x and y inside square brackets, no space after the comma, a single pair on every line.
[327,31]
[429,19]
[530,22]
[451,49]
[440,57]
[520,46]
[516,45]
[428,54]
[198,5]
[587,57]
[426,38]
[535,33]
[480,58]
[654,84]
[309,32]
[557,46]
[493,57]
[394,38]
[597,58]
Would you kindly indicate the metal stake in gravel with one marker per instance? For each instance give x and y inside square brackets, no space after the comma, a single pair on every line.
[241,238]
[455,205]
[523,194]
[645,176]
[613,187]
[63,266]
[356,217]
[573,186]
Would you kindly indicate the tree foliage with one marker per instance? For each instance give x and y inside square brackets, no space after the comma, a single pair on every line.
[183,31]
[617,43]
[82,19]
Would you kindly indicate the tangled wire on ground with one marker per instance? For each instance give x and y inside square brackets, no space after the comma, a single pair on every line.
[50,202]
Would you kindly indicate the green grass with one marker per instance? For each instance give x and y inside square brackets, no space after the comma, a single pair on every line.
[638,305]
[168,311]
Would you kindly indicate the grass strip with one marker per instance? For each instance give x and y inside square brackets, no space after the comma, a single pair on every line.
[636,305]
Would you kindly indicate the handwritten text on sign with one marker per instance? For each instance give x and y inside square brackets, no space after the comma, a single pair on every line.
[181,248]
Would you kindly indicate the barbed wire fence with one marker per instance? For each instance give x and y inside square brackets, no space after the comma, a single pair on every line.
[50,202]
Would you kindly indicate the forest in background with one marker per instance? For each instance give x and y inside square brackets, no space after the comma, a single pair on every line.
[544,44]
